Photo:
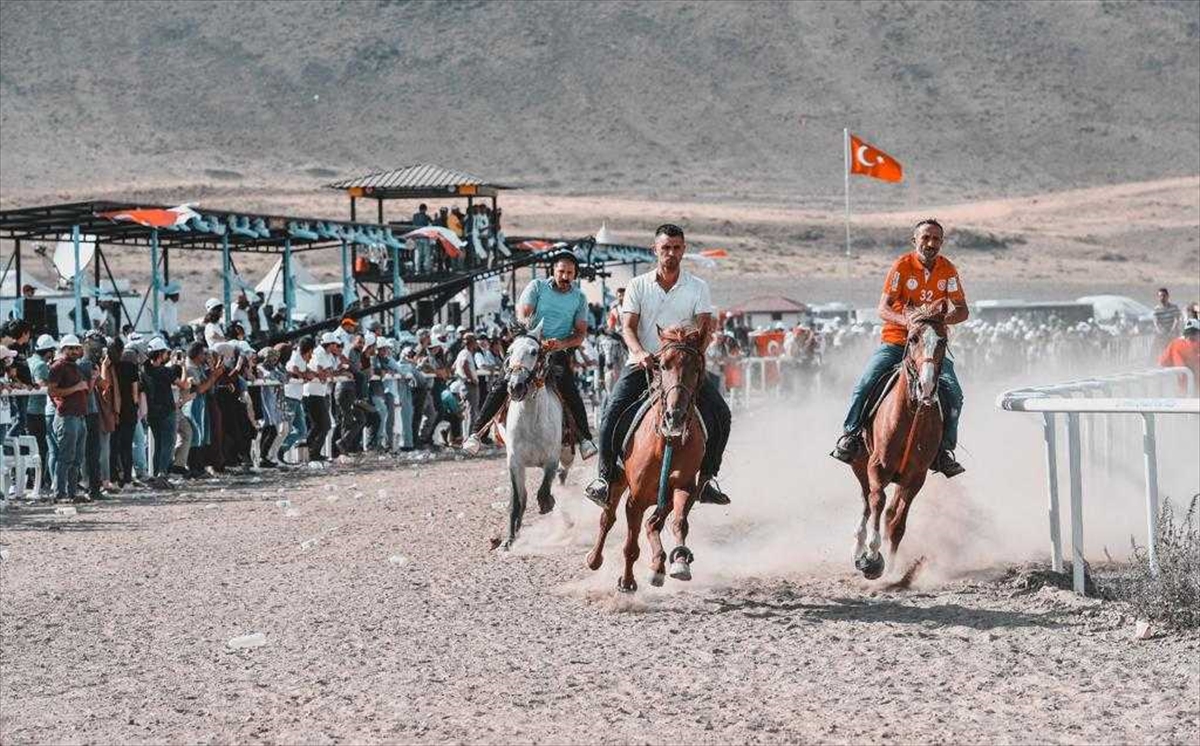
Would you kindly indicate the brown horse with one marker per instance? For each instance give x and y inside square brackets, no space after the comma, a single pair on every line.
[672,420]
[903,438]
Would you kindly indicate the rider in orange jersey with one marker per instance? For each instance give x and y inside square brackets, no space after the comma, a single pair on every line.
[918,278]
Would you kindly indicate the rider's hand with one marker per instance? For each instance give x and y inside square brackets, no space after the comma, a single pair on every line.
[642,359]
[550,345]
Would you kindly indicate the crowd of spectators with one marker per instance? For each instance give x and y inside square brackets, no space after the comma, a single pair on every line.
[151,411]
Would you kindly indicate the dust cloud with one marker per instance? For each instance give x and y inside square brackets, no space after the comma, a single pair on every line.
[795,509]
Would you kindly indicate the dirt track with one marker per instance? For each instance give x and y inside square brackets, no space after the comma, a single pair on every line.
[114,627]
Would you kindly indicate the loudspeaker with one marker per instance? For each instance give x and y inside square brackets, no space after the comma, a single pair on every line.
[41,317]
[425,313]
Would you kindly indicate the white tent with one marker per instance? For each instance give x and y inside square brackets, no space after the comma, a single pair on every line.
[310,294]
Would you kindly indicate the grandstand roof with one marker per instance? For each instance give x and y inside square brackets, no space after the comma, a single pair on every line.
[418,181]
[769,304]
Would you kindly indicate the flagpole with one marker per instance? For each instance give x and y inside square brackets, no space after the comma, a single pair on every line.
[846,174]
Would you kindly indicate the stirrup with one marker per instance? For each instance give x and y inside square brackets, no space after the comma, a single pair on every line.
[597,492]
[587,449]
[710,492]
[472,445]
[848,448]
[947,465]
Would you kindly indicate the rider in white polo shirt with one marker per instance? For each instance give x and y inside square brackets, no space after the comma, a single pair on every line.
[664,297]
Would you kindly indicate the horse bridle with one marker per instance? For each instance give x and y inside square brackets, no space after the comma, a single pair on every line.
[662,390]
[913,367]
[538,372]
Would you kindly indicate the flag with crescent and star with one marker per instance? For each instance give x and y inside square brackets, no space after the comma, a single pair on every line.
[868,160]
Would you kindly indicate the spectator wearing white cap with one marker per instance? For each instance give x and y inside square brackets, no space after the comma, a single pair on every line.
[384,396]
[433,363]
[324,364]
[406,388]
[298,375]
[68,388]
[37,420]
[159,381]
[8,380]
[213,332]
[464,370]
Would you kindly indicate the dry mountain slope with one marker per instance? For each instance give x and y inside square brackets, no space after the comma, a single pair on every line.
[737,101]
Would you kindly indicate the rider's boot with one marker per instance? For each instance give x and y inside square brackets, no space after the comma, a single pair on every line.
[597,491]
[472,445]
[587,449]
[947,464]
[710,492]
[848,447]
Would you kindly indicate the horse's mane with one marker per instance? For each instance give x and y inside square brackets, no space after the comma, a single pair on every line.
[687,334]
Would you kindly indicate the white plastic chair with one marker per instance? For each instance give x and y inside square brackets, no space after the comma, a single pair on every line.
[26,458]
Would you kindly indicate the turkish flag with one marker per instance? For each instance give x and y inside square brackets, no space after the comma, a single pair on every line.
[868,160]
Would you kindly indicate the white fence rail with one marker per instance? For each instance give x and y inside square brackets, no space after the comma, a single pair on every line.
[1099,396]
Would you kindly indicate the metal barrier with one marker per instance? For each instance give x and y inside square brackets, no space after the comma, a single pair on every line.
[1077,398]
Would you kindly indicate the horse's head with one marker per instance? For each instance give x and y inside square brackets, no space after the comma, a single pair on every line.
[680,365]
[522,362]
[926,348]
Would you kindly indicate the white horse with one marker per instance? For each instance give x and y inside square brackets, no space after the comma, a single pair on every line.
[532,429]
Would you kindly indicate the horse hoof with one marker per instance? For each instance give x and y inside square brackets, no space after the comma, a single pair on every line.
[594,561]
[870,567]
[681,570]
[632,587]
[547,505]
[657,579]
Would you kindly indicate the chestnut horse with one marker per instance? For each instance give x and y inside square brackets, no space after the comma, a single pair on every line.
[903,438]
[671,420]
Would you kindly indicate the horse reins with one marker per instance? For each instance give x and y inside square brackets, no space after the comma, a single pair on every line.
[663,391]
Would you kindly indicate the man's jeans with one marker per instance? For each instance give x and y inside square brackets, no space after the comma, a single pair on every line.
[299,430]
[162,429]
[625,394]
[70,434]
[886,358]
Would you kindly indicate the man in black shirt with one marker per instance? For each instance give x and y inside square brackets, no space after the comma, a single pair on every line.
[158,381]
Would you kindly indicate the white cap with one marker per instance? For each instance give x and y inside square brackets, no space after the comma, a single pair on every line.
[437,342]
[370,340]
[384,344]
[69,340]
[329,338]
[1191,325]
[156,345]
[45,342]
[436,330]
[211,303]
[458,388]
[135,337]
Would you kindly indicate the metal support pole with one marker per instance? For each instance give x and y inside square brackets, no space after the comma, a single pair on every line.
[347,276]
[1076,469]
[19,304]
[166,273]
[289,292]
[846,175]
[1048,431]
[154,285]
[1150,450]
[379,202]
[77,282]
[397,288]
[226,290]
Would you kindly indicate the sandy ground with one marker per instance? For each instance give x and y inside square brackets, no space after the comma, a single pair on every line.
[114,623]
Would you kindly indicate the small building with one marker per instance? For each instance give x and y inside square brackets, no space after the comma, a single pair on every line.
[768,310]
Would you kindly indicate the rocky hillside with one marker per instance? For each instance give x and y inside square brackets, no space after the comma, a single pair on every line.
[740,101]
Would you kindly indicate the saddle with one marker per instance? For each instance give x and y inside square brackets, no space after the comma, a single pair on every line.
[877,394]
